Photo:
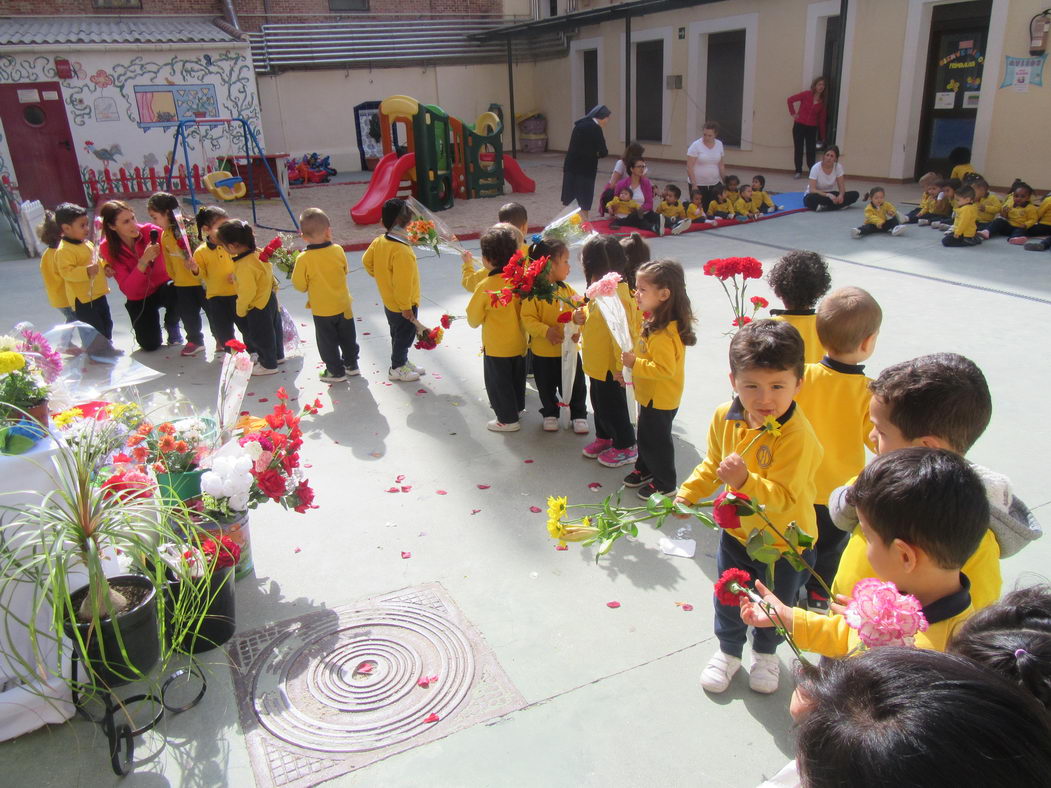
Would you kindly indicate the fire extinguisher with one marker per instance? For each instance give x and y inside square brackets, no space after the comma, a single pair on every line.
[1039,26]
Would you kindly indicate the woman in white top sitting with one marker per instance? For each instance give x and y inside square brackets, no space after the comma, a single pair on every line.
[826,190]
[620,171]
[704,161]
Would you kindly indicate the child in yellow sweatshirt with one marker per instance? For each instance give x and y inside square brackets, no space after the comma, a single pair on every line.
[964,231]
[216,270]
[658,365]
[929,208]
[721,206]
[81,271]
[503,338]
[671,212]
[54,285]
[1017,215]
[321,272]
[761,201]
[800,279]
[179,263]
[777,472]
[622,205]
[880,216]
[923,512]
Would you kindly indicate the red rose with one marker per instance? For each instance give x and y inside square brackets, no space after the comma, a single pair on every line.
[305,496]
[727,514]
[226,553]
[236,346]
[565,317]
[728,578]
[269,249]
[271,484]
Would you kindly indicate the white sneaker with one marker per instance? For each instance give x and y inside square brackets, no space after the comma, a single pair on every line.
[897,230]
[712,222]
[764,673]
[580,426]
[403,374]
[715,677]
[416,369]
[923,222]
[550,423]
[855,232]
[259,369]
[821,208]
[352,372]
[681,227]
[499,426]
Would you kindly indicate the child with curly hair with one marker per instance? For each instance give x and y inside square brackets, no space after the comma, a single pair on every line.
[800,279]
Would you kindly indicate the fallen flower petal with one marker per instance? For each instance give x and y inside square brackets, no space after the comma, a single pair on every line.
[426,681]
[365,668]
[405,554]
[399,478]
[298,549]
[561,546]
[393,489]
[406,487]
[535,509]
[528,461]
[594,486]
[482,486]
[440,492]
[613,605]
[475,511]
[432,717]
[686,606]
[421,391]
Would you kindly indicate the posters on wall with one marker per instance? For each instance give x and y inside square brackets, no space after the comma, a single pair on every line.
[1021,72]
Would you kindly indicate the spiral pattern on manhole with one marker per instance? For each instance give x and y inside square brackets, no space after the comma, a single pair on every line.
[348,683]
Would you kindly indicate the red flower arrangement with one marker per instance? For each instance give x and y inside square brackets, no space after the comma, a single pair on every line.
[222,555]
[527,278]
[128,485]
[727,513]
[428,338]
[730,588]
[731,268]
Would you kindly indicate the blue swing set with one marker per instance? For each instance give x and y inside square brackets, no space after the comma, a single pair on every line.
[234,184]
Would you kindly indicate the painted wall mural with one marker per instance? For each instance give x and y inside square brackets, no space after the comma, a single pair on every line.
[122,109]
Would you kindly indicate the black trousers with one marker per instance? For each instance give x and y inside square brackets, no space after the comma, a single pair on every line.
[1038,230]
[831,542]
[96,314]
[913,216]
[804,136]
[547,374]
[337,342]
[812,201]
[609,403]
[647,221]
[951,240]
[505,385]
[656,447]
[191,302]
[402,335]
[264,335]
[886,227]
[1000,226]
[145,315]
[222,317]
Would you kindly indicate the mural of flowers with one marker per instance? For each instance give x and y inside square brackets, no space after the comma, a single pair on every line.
[101,78]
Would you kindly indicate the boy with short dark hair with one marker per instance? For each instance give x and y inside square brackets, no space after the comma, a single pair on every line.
[321,272]
[391,261]
[964,231]
[835,397]
[516,214]
[923,512]
[799,279]
[766,371]
[939,401]
[82,272]
[672,213]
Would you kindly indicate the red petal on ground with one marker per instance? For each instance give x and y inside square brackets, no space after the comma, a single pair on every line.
[613,604]
[399,478]
[440,492]
[528,461]
[243,413]
[432,717]
[686,606]
[421,391]
[561,546]
[594,486]
[406,487]
[365,333]
[298,549]
[426,681]
[535,509]
[365,668]
[482,486]
[405,554]
[393,489]
[475,511]
[264,399]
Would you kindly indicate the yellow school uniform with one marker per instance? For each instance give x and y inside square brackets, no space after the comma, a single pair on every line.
[983,568]
[965,224]
[1043,213]
[660,368]
[618,207]
[502,332]
[215,266]
[928,205]
[878,216]
[781,469]
[805,322]
[831,637]
[255,282]
[743,207]
[174,250]
[321,272]
[726,206]
[72,259]
[1021,216]
[732,197]
[960,170]
[600,354]
[760,199]
[54,284]
[539,315]
[671,210]
[392,263]
[988,208]
[471,276]
[694,211]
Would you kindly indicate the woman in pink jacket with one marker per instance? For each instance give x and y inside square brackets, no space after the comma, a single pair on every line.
[808,111]
[134,259]
[641,188]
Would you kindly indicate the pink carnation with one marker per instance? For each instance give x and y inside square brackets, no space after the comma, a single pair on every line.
[883,616]
[606,286]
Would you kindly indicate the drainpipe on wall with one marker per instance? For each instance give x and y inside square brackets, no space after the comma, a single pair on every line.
[840,87]
[231,15]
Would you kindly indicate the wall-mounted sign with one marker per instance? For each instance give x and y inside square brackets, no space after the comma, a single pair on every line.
[1021,72]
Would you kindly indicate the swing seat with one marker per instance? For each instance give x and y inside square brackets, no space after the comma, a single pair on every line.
[225,186]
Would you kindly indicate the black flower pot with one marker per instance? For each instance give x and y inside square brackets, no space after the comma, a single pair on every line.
[102,657]
[219,620]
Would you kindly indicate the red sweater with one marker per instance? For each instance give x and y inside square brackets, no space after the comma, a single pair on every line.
[135,284]
[810,113]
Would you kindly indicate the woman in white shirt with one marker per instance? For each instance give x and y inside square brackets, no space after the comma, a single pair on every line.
[826,190]
[704,161]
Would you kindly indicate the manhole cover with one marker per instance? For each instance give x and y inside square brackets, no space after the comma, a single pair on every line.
[332,691]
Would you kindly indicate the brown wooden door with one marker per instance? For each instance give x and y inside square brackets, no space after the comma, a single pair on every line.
[42,154]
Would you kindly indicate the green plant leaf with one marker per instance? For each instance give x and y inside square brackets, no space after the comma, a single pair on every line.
[795,561]
[657,503]
[760,548]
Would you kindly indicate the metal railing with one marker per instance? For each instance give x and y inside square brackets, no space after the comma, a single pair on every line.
[391,42]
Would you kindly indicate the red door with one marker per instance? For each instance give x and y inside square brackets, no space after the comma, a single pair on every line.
[45,163]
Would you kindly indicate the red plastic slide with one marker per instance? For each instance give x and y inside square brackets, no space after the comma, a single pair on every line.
[514,175]
[382,186]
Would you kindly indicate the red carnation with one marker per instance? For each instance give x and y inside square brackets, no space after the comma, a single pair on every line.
[447,320]
[565,317]
[759,302]
[236,346]
[743,320]
[727,514]
[723,592]
[271,484]
[270,248]
[306,497]
[226,553]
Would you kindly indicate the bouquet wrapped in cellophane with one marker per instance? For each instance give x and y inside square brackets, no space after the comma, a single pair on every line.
[428,231]
[568,227]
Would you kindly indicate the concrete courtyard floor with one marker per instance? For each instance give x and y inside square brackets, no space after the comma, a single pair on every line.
[612,694]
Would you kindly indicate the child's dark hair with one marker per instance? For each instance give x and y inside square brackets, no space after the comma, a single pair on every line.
[767,344]
[761,179]
[1013,638]
[960,155]
[669,274]
[207,215]
[971,177]
[168,204]
[732,180]
[912,717]
[513,213]
[1020,184]
[980,182]
[718,192]
[236,231]
[696,191]
[951,183]
[846,317]
[636,252]
[600,255]
[674,190]
[929,498]
[65,213]
[942,394]
[874,191]
[799,279]
[48,231]
[498,246]
[547,247]
[395,213]
[966,191]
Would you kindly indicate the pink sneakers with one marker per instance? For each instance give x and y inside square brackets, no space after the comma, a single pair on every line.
[596,447]
[614,458]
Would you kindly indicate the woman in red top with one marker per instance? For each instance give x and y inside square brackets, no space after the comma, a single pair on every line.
[809,126]
[137,264]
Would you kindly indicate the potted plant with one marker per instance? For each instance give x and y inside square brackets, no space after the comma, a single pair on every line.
[174,450]
[28,365]
[209,565]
